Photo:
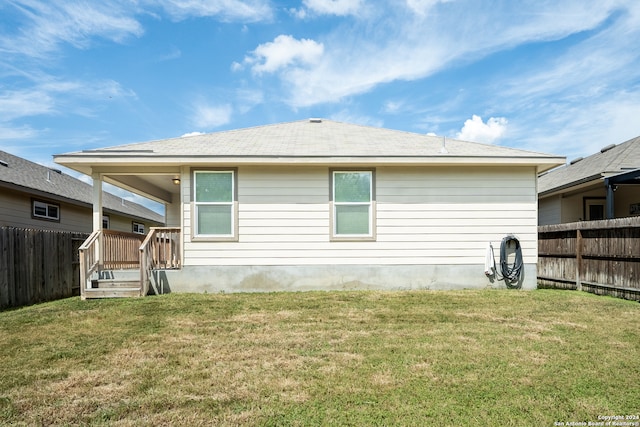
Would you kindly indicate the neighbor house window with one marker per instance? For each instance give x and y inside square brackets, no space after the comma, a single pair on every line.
[353,205]
[44,210]
[138,228]
[214,204]
[105,222]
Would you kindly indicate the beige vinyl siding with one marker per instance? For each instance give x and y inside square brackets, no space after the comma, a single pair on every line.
[456,185]
[550,210]
[118,223]
[125,224]
[424,216]
[572,208]
[15,211]
[292,185]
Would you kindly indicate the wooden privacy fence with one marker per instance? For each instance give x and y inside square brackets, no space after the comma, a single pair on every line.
[38,265]
[602,257]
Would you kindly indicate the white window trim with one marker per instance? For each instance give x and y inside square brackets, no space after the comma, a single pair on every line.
[106,221]
[371,235]
[140,225]
[46,206]
[233,237]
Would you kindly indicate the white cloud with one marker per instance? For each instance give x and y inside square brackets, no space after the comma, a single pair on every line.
[46,25]
[329,7]
[580,100]
[17,133]
[246,99]
[53,96]
[22,103]
[173,53]
[580,129]
[211,116]
[476,130]
[226,10]
[392,107]
[407,43]
[422,7]
[186,135]
[283,52]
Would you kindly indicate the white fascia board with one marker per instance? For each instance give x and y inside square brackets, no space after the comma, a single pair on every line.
[128,163]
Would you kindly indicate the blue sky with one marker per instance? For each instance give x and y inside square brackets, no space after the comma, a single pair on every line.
[558,76]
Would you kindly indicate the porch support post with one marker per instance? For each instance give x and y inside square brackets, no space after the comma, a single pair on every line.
[97,201]
[97,216]
[610,199]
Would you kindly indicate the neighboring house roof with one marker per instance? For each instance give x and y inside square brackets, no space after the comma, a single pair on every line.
[611,160]
[308,141]
[24,175]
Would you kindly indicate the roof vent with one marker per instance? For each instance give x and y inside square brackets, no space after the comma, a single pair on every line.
[607,148]
[58,171]
[315,120]
[3,163]
[574,161]
[443,149]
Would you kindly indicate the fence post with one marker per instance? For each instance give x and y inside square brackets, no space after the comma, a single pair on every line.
[578,258]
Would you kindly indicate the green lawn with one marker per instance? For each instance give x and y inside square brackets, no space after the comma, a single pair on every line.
[486,358]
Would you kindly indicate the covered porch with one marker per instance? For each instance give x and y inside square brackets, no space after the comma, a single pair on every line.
[613,183]
[115,264]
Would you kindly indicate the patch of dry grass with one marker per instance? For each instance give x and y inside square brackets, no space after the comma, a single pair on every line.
[357,358]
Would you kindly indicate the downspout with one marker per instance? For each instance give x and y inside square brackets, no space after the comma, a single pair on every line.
[610,198]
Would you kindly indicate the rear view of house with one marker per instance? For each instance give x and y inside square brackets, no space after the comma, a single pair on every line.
[318,204]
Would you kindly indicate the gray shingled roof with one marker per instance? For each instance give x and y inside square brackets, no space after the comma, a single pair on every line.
[311,138]
[611,160]
[31,176]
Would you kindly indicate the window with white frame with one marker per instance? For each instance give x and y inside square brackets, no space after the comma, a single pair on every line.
[106,223]
[45,210]
[214,198]
[138,228]
[353,204]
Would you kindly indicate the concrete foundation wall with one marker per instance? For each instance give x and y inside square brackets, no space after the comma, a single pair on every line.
[214,279]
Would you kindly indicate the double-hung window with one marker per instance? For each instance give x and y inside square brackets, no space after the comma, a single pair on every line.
[44,210]
[137,227]
[214,204]
[353,208]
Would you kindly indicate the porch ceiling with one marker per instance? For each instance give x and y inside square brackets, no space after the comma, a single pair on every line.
[156,187]
[629,177]
[155,183]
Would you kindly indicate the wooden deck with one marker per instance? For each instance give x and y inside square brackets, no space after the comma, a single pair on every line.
[119,265]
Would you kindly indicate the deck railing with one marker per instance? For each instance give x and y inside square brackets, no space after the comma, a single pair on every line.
[113,250]
[89,256]
[108,250]
[160,250]
[120,250]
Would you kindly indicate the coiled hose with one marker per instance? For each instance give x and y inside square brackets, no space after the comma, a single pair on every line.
[511,273]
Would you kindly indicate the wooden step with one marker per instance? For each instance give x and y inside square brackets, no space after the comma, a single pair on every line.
[115,283]
[111,293]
